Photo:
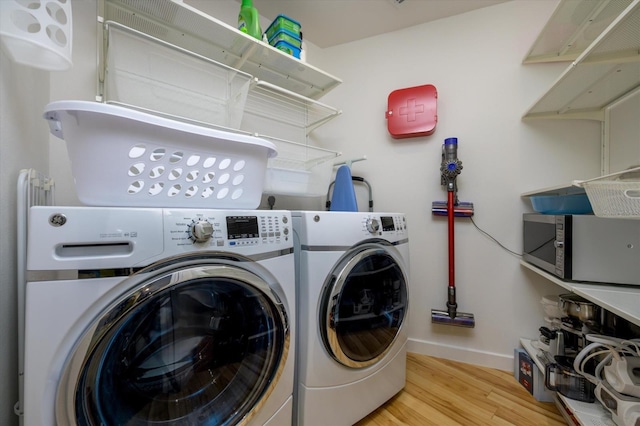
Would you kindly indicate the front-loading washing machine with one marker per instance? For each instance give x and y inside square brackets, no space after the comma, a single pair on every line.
[352,275]
[159,316]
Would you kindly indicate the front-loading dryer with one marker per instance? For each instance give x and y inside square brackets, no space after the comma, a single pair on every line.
[159,317]
[352,275]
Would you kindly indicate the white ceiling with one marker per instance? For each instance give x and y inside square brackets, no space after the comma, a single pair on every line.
[327,23]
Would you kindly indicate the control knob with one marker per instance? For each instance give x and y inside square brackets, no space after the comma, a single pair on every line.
[200,231]
[373,226]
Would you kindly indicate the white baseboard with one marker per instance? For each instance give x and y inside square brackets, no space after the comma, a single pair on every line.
[466,355]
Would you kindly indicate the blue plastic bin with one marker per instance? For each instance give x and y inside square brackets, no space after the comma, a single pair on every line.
[562,204]
[286,35]
[288,48]
[283,22]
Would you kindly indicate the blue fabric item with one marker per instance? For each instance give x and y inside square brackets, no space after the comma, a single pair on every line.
[344,196]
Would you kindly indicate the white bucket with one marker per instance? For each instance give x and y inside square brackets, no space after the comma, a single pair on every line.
[37,33]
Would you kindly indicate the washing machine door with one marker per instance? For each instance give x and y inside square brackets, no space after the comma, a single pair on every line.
[191,342]
[364,304]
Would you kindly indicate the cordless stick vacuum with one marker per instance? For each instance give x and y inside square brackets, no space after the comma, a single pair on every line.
[450,168]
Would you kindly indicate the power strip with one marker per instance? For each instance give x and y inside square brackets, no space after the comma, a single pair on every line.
[625,410]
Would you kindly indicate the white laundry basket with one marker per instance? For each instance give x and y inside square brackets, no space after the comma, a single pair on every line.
[37,32]
[123,157]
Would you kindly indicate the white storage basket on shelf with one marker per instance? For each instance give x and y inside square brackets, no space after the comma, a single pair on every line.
[124,157]
[149,74]
[287,118]
[616,195]
[299,169]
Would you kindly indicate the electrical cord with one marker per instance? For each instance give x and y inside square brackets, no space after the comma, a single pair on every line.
[603,345]
[494,240]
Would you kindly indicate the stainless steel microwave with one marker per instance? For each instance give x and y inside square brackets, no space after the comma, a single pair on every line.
[583,247]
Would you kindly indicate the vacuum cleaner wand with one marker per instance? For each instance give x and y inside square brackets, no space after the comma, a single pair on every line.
[450,168]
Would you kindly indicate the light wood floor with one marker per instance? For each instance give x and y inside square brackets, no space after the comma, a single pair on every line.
[442,392]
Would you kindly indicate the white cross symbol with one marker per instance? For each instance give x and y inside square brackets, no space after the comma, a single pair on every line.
[411,109]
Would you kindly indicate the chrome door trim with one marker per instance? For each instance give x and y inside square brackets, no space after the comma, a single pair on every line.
[332,289]
[144,285]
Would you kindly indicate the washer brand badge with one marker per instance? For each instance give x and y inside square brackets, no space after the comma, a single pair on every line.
[57,219]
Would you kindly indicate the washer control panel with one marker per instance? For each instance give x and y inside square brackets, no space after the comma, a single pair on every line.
[95,238]
[217,229]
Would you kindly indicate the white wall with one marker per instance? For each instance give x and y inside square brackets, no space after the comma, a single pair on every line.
[23,144]
[474,61]
[623,134]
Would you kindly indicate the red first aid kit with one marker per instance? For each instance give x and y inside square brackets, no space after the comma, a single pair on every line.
[412,111]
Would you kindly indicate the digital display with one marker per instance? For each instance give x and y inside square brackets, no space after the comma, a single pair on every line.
[239,227]
[387,223]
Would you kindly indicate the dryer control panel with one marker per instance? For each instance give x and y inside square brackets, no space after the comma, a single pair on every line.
[383,224]
[338,229]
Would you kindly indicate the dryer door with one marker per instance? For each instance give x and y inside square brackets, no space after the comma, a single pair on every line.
[192,342]
[364,304]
